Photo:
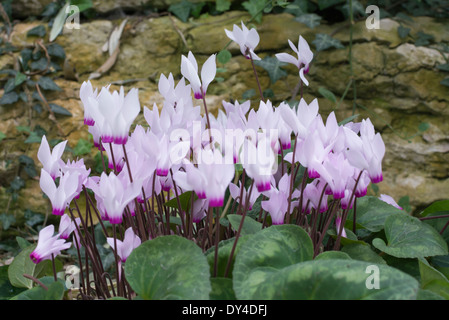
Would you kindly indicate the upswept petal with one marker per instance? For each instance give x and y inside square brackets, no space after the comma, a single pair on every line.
[290,118]
[252,38]
[192,60]
[190,73]
[288,58]
[47,184]
[208,72]
[305,54]
[131,107]
[293,46]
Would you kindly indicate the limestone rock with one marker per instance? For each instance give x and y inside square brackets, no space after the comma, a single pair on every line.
[27,8]
[398,86]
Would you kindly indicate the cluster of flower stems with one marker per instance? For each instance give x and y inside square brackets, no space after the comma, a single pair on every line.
[150,216]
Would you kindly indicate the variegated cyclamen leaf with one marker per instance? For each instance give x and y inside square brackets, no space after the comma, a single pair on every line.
[408,237]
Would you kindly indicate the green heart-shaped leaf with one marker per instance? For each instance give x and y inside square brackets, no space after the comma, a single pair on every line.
[408,237]
[168,267]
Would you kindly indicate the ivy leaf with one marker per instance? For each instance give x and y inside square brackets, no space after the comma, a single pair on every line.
[82,147]
[17,184]
[255,8]
[324,41]
[19,79]
[443,67]
[51,10]
[60,110]
[37,31]
[273,67]
[39,64]
[9,98]
[9,85]
[33,138]
[29,165]
[26,55]
[248,94]
[33,218]
[182,10]
[445,82]
[357,8]
[55,50]
[222,5]
[47,83]
[311,20]
[298,7]
[2,136]
[7,220]
[402,16]
[403,32]
[423,39]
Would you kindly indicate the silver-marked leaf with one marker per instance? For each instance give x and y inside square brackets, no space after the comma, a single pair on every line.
[329,279]
[433,280]
[273,67]
[311,20]
[324,41]
[408,237]
[272,248]
[169,267]
[372,212]
[250,225]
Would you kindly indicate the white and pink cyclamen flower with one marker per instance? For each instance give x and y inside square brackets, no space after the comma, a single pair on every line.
[114,113]
[50,159]
[49,245]
[86,92]
[126,246]
[60,196]
[246,39]
[116,193]
[304,57]
[189,69]
[335,156]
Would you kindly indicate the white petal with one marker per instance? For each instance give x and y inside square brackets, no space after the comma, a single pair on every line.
[305,54]
[189,72]
[192,60]
[44,153]
[288,58]
[208,71]
[230,35]
[252,39]
[303,78]
[292,45]
[47,184]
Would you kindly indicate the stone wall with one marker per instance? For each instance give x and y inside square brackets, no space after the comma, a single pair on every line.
[397,82]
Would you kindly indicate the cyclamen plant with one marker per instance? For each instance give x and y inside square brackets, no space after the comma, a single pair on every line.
[198,169]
